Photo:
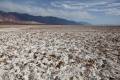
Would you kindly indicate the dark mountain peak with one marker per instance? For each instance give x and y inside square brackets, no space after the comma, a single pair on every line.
[23,18]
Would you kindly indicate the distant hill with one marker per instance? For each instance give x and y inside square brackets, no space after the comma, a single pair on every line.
[18,18]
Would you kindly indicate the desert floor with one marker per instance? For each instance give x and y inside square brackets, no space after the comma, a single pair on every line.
[59,52]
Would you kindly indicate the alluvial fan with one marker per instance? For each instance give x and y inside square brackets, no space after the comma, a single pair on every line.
[41,55]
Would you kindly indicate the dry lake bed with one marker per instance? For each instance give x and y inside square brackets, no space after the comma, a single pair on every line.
[59,52]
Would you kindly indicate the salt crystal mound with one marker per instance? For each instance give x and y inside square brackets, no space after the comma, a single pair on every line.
[40,55]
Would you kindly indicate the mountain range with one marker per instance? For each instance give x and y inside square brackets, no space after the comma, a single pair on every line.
[20,18]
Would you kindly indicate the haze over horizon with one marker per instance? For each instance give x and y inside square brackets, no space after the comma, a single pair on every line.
[91,11]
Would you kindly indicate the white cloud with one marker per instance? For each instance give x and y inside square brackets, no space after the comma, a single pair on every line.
[113,11]
[113,5]
[105,7]
[76,4]
[67,5]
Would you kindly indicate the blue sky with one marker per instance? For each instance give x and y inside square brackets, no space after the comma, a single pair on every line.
[92,11]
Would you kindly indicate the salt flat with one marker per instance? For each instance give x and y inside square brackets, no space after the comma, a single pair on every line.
[47,52]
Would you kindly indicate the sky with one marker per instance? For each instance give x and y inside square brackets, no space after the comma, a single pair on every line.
[92,11]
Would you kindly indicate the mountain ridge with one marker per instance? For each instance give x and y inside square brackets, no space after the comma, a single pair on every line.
[22,18]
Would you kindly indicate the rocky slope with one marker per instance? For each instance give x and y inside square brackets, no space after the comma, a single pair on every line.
[41,55]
